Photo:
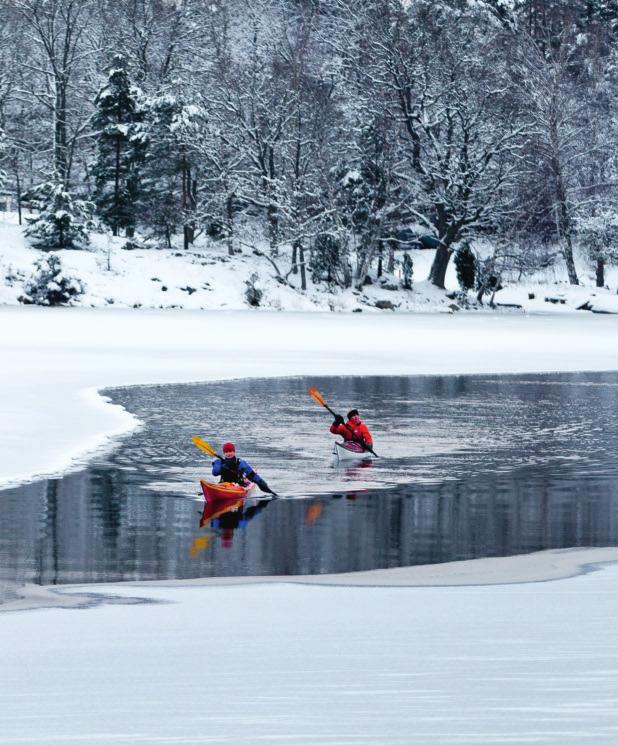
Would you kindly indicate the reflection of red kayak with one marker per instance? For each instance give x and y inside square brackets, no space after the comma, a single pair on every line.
[213,508]
[222,498]
[225,490]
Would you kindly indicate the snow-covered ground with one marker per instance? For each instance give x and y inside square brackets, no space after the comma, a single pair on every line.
[207,278]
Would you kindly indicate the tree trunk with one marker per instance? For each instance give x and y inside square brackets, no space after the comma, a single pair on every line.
[439,266]
[273,225]
[229,219]
[600,272]
[567,252]
[390,267]
[303,273]
[563,217]
[60,132]
[18,192]
[294,258]
[116,189]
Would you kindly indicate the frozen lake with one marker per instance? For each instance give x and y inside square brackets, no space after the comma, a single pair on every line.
[470,466]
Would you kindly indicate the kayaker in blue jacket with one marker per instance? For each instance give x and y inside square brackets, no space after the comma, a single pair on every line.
[236,470]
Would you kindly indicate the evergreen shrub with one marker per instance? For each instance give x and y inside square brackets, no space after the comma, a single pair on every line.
[50,285]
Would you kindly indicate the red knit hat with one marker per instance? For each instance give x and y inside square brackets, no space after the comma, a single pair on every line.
[228,447]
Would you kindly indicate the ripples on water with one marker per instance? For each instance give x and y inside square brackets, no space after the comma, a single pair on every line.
[469,467]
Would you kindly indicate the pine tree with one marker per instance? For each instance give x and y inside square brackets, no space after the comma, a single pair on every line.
[50,285]
[465,264]
[60,223]
[120,149]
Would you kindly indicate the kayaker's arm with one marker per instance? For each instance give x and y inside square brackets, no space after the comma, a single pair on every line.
[216,467]
[255,477]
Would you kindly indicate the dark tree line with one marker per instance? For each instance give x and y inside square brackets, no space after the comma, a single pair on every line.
[347,132]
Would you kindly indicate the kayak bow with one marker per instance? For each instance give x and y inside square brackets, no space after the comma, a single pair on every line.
[225,490]
[349,450]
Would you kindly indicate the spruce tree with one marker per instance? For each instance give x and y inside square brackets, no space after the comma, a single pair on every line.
[465,264]
[60,223]
[119,149]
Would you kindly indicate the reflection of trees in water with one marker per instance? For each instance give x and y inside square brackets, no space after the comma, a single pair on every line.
[74,530]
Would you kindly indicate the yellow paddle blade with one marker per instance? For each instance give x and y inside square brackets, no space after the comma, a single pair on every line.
[316,396]
[203,446]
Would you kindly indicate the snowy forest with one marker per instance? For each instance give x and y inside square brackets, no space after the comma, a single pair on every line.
[350,132]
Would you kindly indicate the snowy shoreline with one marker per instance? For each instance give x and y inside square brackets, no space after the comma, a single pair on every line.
[535,567]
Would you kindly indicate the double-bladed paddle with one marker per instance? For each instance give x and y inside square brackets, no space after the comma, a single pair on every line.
[319,399]
[207,448]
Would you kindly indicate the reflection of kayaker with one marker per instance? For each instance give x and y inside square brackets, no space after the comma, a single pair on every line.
[227,514]
[216,506]
[231,520]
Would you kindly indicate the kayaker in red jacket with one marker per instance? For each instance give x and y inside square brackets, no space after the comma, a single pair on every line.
[353,429]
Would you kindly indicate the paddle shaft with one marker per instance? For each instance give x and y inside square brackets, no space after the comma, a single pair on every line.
[365,446]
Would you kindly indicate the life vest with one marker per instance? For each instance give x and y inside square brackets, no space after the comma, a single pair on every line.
[355,433]
[230,471]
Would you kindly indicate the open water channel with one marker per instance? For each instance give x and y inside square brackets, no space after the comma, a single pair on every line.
[470,466]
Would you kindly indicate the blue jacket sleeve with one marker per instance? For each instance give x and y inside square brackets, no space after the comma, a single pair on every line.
[248,471]
[216,467]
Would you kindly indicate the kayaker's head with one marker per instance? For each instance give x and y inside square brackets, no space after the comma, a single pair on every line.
[354,417]
[229,450]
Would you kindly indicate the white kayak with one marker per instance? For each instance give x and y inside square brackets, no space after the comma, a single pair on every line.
[348,450]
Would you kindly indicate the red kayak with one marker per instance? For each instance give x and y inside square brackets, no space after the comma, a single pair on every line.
[225,490]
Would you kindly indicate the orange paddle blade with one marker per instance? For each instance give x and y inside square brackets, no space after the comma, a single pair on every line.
[316,396]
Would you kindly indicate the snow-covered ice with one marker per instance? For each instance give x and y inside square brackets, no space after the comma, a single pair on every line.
[297,664]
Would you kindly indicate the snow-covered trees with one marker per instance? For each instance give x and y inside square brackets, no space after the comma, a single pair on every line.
[598,235]
[57,62]
[119,149]
[340,133]
[172,132]
[60,223]
[422,65]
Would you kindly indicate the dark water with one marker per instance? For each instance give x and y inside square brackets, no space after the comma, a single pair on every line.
[470,467]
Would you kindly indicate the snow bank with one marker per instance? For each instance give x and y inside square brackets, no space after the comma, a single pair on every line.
[207,278]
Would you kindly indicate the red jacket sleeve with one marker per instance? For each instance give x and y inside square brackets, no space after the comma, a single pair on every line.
[366,435]
[342,430]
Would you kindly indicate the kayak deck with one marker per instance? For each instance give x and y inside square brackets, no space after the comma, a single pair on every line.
[225,490]
[348,449]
